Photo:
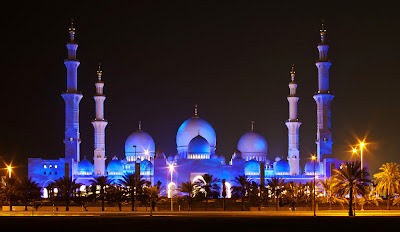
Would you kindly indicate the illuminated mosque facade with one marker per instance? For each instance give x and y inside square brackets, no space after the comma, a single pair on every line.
[196,143]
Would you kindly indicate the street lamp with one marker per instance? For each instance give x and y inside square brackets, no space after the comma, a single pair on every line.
[314,159]
[171,169]
[9,168]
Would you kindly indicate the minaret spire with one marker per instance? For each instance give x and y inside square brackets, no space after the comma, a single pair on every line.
[292,73]
[99,73]
[71,31]
[72,98]
[293,125]
[99,124]
[323,98]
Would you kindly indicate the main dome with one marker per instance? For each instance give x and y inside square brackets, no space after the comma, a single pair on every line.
[143,142]
[193,127]
[252,142]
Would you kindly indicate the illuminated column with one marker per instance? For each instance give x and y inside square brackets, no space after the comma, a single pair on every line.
[99,124]
[72,98]
[323,99]
[293,125]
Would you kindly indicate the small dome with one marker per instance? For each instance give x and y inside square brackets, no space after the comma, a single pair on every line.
[222,158]
[177,156]
[115,167]
[267,161]
[85,167]
[215,156]
[281,167]
[252,167]
[199,145]
[252,142]
[277,159]
[309,168]
[170,158]
[143,142]
[237,155]
[191,128]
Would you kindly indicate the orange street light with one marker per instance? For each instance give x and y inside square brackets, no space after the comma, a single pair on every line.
[9,168]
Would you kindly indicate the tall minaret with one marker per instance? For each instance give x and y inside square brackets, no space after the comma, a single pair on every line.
[323,99]
[293,125]
[72,98]
[99,124]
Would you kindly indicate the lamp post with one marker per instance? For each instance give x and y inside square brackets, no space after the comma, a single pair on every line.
[171,168]
[313,159]
[9,168]
[362,144]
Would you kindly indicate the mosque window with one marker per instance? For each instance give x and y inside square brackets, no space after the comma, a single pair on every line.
[55,166]
[45,166]
[50,166]
[49,173]
[55,173]
[44,173]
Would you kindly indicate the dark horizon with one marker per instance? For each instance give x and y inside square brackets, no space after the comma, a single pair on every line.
[159,60]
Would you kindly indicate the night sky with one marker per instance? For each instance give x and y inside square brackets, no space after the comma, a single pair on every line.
[233,59]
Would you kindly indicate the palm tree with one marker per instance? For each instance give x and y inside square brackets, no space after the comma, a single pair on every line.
[101,181]
[328,188]
[242,189]
[66,187]
[29,191]
[388,180]
[351,178]
[276,184]
[209,187]
[154,194]
[294,193]
[190,190]
[116,195]
[134,186]
[10,191]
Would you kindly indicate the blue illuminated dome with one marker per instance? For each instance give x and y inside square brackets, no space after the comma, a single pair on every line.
[281,167]
[309,168]
[85,167]
[252,142]
[190,129]
[143,142]
[252,167]
[115,167]
[199,145]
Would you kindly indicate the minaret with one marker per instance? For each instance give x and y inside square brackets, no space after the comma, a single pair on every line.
[72,98]
[99,124]
[293,125]
[323,99]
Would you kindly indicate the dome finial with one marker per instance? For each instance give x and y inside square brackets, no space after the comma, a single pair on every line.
[99,72]
[195,110]
[292,73]
[252,126]
[140,125]
[71,31]
[198,132]
[322,32]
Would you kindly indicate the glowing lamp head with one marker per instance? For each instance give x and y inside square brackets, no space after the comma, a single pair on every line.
[313,157]
[171,168]
[354,150]
[362,144]
[9,168]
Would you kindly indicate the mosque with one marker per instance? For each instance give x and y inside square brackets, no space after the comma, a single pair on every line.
[196,143]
